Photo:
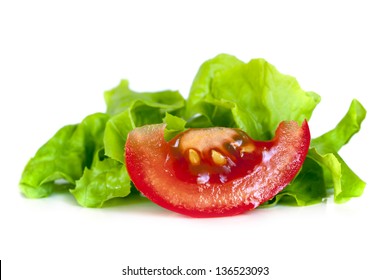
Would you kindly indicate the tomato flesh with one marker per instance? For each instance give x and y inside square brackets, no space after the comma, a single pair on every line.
[214,172]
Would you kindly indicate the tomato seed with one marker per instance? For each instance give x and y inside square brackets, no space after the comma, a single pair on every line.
[194,157]
[218,158]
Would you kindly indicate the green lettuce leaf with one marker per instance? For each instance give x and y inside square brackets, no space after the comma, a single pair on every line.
[174,125]
[342,182]
[89,155]
[64,156]
[140,109]
[333,140]
[104,180]
[346,184]
[253,96]
[202,85]
[121,98]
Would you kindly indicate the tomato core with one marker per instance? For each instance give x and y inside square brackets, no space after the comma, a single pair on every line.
[213,155]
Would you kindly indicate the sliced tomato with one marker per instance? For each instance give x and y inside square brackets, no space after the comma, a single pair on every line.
[216,171]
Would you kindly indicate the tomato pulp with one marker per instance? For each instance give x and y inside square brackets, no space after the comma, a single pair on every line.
[212,172]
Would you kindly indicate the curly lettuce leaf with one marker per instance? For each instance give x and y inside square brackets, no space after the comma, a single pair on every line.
[139,111]
[174,125]
[343,183]
[76,152]
[201,86]
[350,124]
[121,98]
[253,96]
[346,184]
[104,180]
[64,156]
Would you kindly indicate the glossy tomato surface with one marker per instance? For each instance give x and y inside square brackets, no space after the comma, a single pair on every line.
[213,172]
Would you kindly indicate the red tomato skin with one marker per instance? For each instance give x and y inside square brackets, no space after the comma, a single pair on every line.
[150,169]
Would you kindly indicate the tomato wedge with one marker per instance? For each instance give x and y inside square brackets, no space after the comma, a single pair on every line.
[211,172]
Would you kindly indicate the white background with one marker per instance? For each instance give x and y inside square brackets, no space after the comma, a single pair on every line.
[58,57]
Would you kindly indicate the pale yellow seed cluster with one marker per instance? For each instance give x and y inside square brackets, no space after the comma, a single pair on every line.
[218,158]
[213,137]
